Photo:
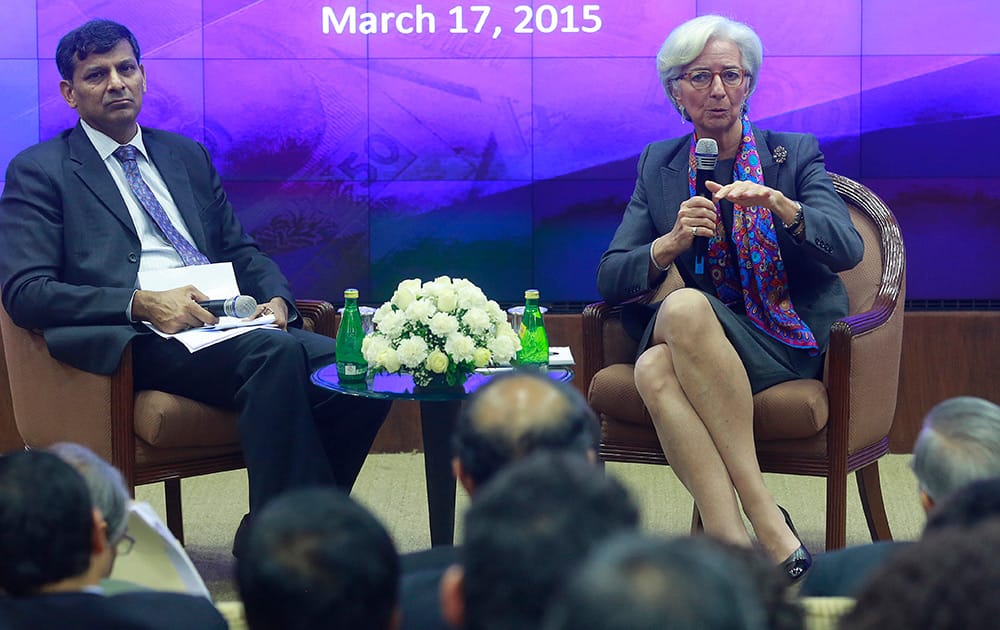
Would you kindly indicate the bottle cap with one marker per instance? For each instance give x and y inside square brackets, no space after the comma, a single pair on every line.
[351,294]
[531,294]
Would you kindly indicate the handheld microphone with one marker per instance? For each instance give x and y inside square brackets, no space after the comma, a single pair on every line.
[706,155]
[237,306]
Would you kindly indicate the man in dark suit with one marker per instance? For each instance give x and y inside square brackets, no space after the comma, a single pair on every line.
[55,550]
[507,419]
[84,213]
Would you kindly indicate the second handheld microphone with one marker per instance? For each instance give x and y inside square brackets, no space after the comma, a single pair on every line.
[237,306]
[706,155]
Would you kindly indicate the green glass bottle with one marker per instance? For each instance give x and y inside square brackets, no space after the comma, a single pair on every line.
[351,364]
[534,350]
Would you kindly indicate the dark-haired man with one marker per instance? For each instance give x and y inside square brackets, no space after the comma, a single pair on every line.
[526,533]
[55,550]
[84,213]
[315,558]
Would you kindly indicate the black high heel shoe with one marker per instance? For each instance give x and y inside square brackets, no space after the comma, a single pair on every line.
[788,521]
[796,565]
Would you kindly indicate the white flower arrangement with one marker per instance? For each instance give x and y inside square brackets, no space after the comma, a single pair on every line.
[444,329]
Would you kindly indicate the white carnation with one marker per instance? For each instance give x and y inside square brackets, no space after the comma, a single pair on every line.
[504,347]
[372,346]
[443,324]
[470,296]
[497,314]
[382,311]
[460,347]
[412,351]
[420,311]
[392,324]
[477,320]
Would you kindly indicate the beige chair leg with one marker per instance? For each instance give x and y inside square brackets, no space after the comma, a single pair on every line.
[870,490]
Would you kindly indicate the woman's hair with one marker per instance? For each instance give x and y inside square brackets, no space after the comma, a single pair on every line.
[688,40]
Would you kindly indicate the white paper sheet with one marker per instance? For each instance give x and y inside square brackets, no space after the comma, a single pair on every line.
[218,282]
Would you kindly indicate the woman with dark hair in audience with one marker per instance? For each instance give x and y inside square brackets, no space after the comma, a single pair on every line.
[758,312]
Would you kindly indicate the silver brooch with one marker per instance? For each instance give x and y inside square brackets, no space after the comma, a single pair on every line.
[780,154]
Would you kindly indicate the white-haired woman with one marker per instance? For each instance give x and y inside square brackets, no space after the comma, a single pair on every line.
[759,313]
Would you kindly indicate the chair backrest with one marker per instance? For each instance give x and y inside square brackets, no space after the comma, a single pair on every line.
[879,275]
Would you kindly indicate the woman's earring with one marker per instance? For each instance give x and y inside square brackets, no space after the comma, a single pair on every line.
[684,118]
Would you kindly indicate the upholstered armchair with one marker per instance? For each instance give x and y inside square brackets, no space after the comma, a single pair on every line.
[826,428]
[151,436]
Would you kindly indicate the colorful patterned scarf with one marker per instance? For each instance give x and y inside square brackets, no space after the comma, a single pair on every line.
[762,283]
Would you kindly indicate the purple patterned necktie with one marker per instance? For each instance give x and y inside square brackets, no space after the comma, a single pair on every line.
[189,253]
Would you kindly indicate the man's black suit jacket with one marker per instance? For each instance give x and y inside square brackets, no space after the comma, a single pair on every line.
[146,610]
[69,252]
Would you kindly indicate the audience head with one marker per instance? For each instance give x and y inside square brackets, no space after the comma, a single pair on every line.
[50,530]
[782,608]
[514,415]
[959,443]
[686,42]
[314,558]
[96,36]
[636,582]
[946,580]
[968,506]
[107,488]
[525,533]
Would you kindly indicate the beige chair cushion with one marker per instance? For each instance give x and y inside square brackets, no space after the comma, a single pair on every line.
[789,410]
[168,421]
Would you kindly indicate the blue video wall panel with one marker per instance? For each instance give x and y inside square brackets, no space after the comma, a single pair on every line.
[363,142]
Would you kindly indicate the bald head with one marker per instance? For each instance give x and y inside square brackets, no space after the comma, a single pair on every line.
[517,414]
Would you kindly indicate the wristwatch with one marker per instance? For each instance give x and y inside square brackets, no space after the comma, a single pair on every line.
[797,221]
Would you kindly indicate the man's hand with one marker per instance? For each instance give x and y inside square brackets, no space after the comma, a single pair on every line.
[276,307]
[172,311]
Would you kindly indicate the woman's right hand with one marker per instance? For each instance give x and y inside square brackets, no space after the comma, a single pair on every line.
[695,217]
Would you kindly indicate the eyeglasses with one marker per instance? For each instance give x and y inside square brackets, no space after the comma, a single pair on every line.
[702,79]
[124,545]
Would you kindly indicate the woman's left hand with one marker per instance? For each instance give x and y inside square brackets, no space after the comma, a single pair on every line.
[746,193]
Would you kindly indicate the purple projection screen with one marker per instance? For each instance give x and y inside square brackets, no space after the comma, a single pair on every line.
[365,142]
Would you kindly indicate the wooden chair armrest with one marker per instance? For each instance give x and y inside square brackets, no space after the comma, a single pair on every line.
[596,334]
[862,374]
[319,316]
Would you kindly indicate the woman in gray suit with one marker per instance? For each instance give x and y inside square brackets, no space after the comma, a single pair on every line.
[759,310]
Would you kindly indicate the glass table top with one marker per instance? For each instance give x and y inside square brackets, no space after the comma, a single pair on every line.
[401,387]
